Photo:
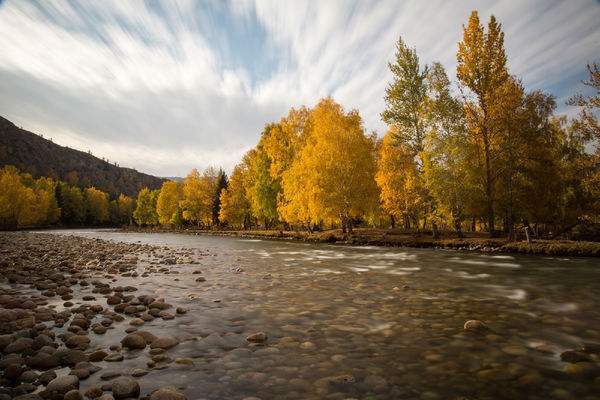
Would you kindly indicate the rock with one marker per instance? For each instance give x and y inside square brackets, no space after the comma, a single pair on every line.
[19,345]
[46,377]
[73,395]
[167,394]
[125,387]
[114,357]
[94,392]
[80,342]
[136,373]
[133,341]
[574,356]
[28,377]
[97,355]
[259,337]
[63,384]
[43,361]
[582,370]
[474,325]
[164,343]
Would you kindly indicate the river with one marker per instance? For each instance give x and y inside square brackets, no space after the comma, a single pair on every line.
[366,322]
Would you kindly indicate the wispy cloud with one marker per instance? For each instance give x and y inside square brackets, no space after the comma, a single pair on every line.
[168,86]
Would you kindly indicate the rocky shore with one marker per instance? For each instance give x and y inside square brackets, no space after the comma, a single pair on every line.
[59,296]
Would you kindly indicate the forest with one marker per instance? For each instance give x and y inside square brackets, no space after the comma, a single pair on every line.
[489,156]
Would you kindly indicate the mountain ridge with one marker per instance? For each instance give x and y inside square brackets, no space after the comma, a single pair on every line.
[32,153]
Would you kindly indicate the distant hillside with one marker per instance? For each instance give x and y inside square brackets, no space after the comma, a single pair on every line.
[41,157]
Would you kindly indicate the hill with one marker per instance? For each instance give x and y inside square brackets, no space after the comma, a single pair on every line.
[42,157]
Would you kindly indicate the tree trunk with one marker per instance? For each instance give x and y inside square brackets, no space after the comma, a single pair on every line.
[392,221]
[488,175]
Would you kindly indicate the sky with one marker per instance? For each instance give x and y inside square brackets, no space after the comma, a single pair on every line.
[165,86]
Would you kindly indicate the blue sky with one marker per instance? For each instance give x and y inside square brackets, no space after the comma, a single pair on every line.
[167,86]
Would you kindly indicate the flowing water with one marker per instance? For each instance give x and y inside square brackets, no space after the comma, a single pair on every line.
[366,322]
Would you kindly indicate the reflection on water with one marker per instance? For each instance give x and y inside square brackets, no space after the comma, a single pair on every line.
[367,322]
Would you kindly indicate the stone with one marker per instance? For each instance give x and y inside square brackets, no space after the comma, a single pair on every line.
[80,342]
[259,337]
[574,356]
[164,343]
[63,384]
[73,395]
[582,370]
[97,355]
[133,341]
[125,387]
[19,345]
[474,325]
[167,394]
[94,392]
[114,357]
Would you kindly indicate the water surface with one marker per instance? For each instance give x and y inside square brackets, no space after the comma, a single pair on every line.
[365,322]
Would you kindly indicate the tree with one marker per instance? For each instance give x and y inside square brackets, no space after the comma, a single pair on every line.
[482,70]
[167,203]
[235,207]
[216,203]
[198,194]
[261,188]
[46,189]
[406,97]
[332,180]
[397,177]
[71,202]
[126,206]
[96,204]
[145,210]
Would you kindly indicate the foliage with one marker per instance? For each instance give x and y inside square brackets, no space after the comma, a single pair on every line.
[145,210]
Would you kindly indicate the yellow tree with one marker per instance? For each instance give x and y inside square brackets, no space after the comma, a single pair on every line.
[482,70]
[96,202]
[198,191]
[167,204]
[397,178]
[235,207]
[126,205]
[335,169]
[145,208]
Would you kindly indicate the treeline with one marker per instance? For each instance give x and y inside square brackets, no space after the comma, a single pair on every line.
[490,157]
[26,202]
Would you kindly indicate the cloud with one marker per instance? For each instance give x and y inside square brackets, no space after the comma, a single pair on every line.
[164,87]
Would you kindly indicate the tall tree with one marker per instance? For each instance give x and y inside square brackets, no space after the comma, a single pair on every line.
[216,203]
[482,70]
[406,98]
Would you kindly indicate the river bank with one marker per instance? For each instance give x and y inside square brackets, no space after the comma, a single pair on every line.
[390,238]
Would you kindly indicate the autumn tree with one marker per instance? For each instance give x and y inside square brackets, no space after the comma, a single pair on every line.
[332,179]
[167,203]
[397,177]
[235,207]
[198,194]
[216,203]
[482,70]
[96,204]
[145,209]
[126,205]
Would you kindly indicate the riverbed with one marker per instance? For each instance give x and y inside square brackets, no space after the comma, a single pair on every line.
[358,322]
